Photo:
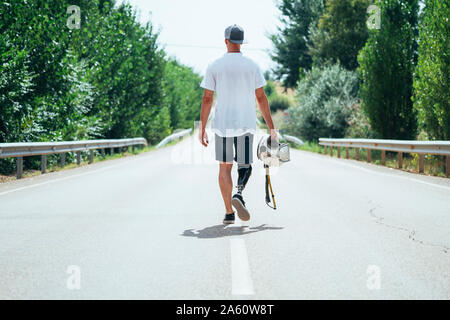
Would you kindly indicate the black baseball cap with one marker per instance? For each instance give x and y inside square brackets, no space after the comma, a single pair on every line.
[235,34]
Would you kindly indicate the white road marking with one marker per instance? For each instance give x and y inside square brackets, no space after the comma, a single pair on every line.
[241,279]
[382,173]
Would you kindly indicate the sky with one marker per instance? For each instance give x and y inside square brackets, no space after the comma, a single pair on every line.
[193,30]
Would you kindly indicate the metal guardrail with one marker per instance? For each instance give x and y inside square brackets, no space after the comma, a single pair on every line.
[293,139]
[399,146]
[175,136]
[26,149]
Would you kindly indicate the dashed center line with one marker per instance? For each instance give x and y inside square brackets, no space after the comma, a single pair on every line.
[241,279]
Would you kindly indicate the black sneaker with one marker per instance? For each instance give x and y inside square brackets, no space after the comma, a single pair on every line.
[229,218]
[239,204]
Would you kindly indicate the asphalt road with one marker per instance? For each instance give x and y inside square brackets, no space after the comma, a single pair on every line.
[149,227]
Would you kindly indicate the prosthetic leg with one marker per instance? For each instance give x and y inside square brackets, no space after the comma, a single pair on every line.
[244,173]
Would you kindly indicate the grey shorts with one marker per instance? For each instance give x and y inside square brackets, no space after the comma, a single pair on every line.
[243,148]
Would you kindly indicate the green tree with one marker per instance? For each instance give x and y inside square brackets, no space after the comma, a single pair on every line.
[279,102]
[325,99]
[291,51]
[386,71]
[107,79]
[38,24]
[341,32]
[15,88]
[74,121]
[183,94]
[431,82]
[270,89]
[58,95]
[126,68]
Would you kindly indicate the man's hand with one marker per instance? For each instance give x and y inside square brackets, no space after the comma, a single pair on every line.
[273,134]
[203,137]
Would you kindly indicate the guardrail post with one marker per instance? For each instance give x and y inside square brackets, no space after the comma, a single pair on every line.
[357,153]
[91,156]
[421,166]
[339,152]
[400,160]
[78,157]
[19,163]
[102,152]
[324,149]
[383,157]
[346,153]
[331,151]
[447,165]
[132,148]
[112,151]
[369,155]
[43,163]
[63,159]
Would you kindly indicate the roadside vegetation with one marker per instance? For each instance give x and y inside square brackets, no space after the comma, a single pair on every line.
[390,81]
[280,100]
[107,79]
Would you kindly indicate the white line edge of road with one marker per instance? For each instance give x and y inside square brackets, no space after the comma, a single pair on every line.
[339,161]
[241,279]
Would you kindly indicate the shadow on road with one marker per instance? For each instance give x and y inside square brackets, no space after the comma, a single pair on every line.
[220,230]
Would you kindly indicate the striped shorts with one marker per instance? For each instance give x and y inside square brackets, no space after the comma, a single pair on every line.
[243,148]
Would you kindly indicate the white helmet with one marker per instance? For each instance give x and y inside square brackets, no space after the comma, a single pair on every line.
[272,153]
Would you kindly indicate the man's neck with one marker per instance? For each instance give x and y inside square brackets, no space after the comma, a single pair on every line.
[234,51]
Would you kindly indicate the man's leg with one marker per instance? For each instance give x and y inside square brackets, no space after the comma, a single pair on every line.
[226,184]
[224,154]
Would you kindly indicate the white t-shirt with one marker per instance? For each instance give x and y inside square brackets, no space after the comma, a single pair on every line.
[234,78]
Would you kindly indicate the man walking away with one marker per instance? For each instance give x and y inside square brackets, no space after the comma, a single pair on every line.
[237,81]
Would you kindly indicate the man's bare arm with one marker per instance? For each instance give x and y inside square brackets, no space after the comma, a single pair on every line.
[263,105]
[207,102]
